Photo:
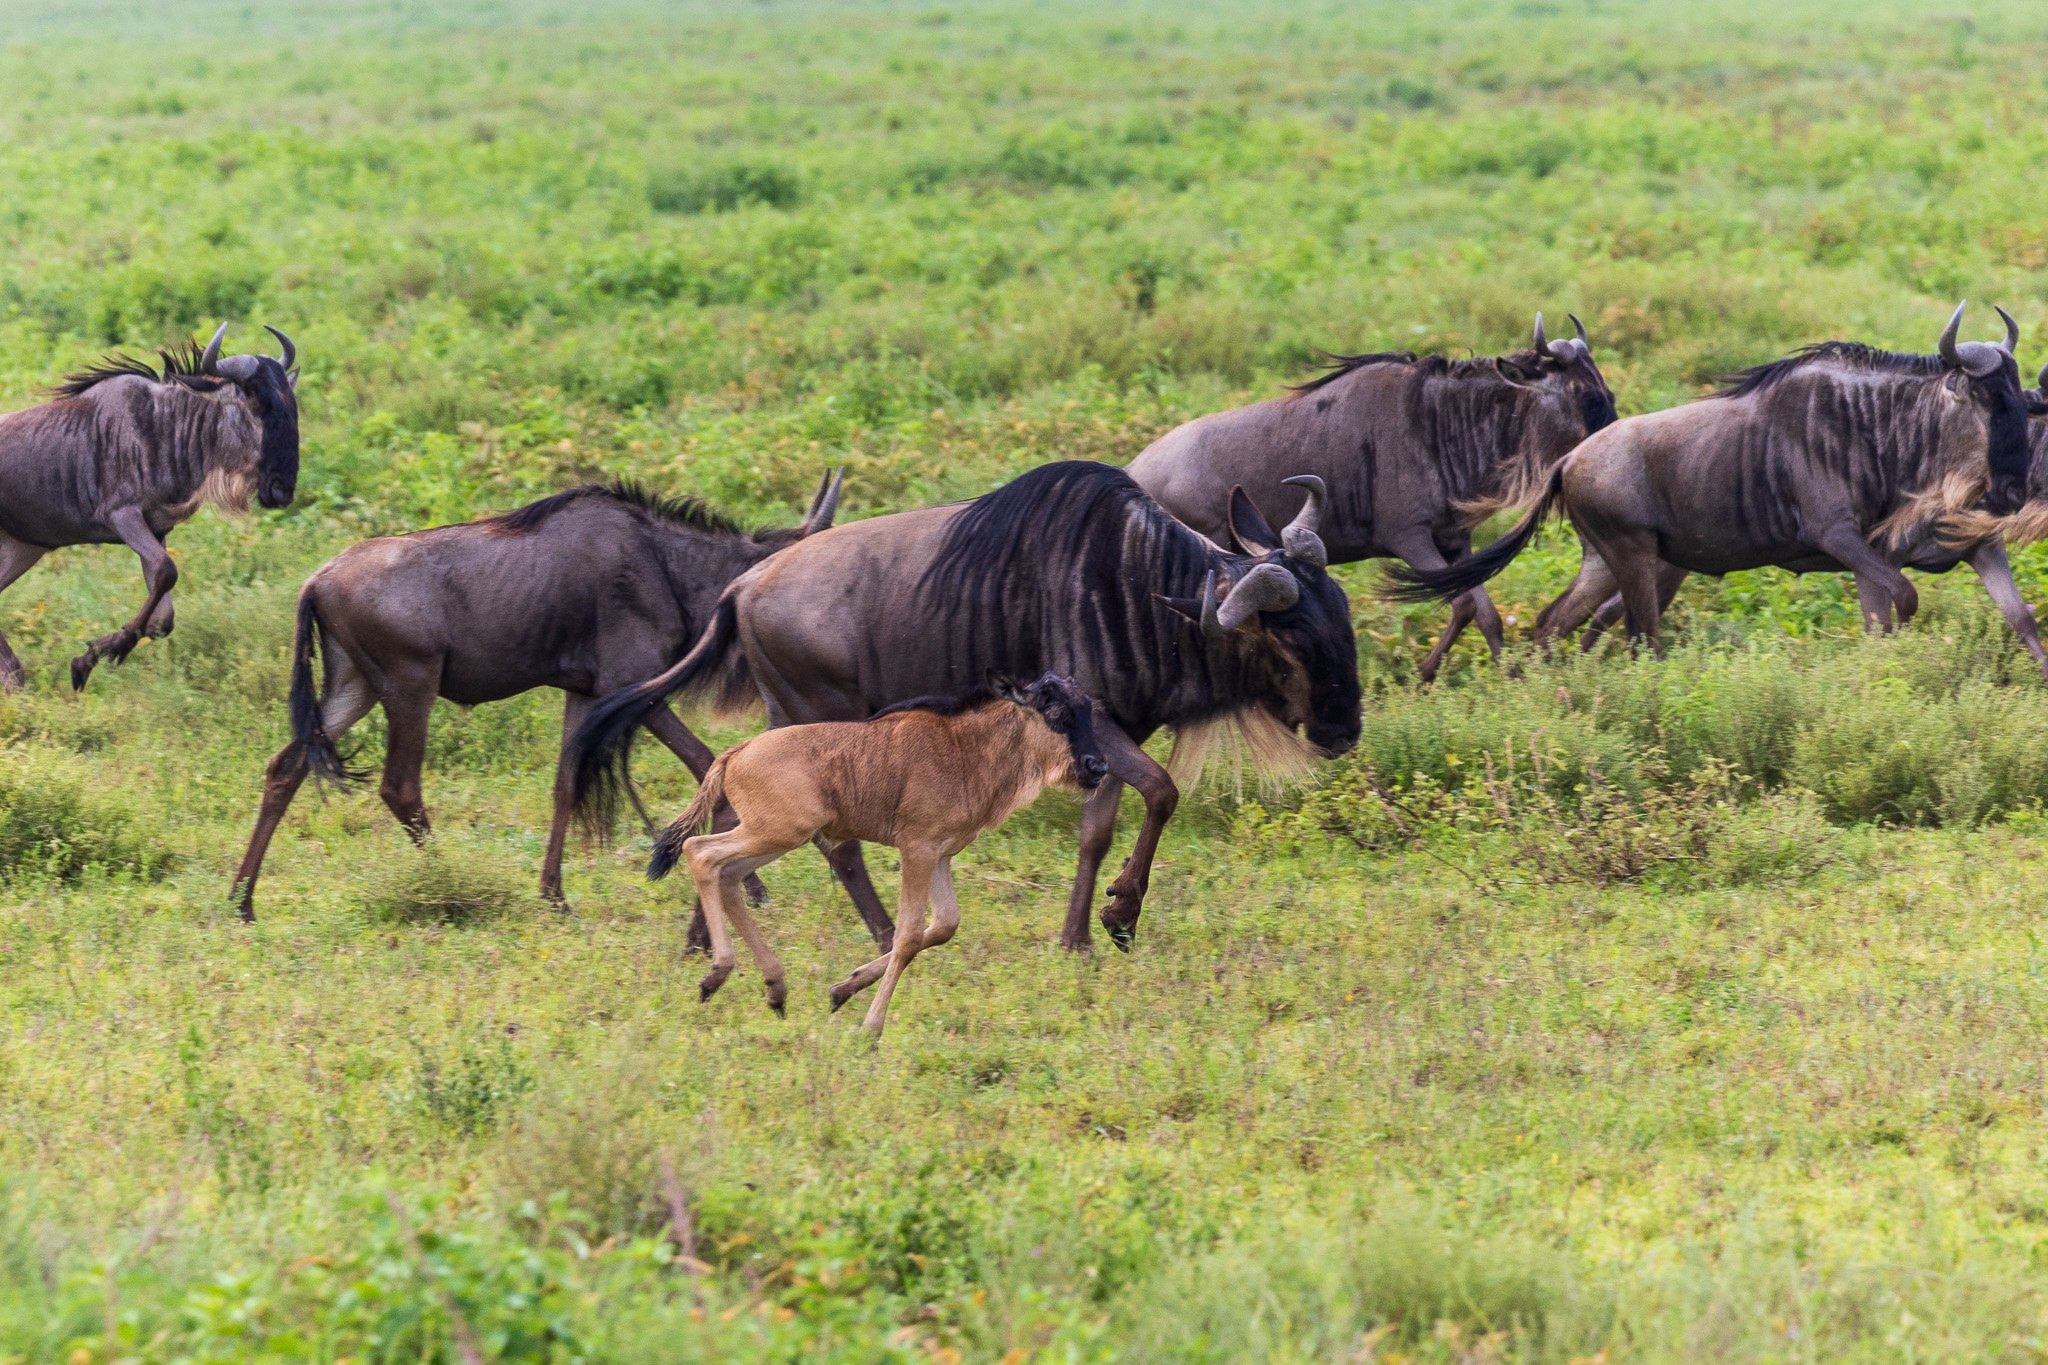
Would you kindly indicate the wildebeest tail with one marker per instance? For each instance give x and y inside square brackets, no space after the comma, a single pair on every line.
[598,752]
[309,732]
[1411,584]
[668,848]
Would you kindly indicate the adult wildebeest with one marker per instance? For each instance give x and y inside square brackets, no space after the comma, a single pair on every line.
[1840,456]
[124,454]
[1414,451]
[928,777]
[585,591]
[1068,569]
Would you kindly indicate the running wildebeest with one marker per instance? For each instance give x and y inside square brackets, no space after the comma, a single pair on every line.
[122,454]
[927,777]
[1068,569]
[1415,454]
[586,591]
[1840,456]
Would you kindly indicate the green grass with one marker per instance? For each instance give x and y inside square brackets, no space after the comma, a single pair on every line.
[1612,1009]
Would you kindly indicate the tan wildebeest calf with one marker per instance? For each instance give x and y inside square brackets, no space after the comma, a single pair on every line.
[925,777]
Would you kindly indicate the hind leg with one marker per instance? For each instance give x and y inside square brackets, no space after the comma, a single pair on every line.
[918,867]
[712,858]
[574,704]
[17,557]
[1577,603]
[1635,564]
[696,755]
[406,708]
[1669,579]
[734,904]
[349,699]
[1887,597]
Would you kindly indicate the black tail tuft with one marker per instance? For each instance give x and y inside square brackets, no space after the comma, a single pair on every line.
[599,751]
[668,851]
[308,731]
[1409,584]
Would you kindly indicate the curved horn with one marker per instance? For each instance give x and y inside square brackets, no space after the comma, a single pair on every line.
[1542,343]
[1299,536]
[1266,588]
[210,357]
[2041,380]
[1946,347]
[825,504]
[1580,328]
[291,352]
[2012,329]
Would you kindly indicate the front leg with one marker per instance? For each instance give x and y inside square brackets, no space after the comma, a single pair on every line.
[1992,566]
[1127,893]
[157,570]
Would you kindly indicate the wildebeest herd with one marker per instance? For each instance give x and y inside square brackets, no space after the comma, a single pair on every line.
[1158,597]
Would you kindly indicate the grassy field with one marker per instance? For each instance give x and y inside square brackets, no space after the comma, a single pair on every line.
[1614,1011]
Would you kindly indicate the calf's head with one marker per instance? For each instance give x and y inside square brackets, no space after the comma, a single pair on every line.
[1069,713]
[1569,397]
[1295,618]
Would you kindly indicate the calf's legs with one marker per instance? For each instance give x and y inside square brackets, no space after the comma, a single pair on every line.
[943,925]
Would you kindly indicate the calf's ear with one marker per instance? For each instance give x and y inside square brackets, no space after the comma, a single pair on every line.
[1001,684]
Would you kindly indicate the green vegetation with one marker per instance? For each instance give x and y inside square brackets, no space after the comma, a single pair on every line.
[1611,1010]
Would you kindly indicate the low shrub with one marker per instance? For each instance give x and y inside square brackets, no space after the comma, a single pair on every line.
[721,187]
[444,883]
[54,824]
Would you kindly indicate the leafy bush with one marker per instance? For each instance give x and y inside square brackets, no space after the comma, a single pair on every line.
[444,882]
[54,824]
[721,187]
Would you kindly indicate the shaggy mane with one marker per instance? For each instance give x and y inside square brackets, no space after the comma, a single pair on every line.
[687,511]
[1336,366]
[940,704]
[180,360]
[1851,354]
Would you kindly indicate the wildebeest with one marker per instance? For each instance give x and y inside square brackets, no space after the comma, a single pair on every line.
[1839,456]
[927,777]
[1415,452]
[1068,569]
[123,454]
[586,591]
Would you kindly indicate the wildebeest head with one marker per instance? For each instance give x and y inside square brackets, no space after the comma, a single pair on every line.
[1068,712]
[265,389]
[1572,397]
[1986,377]
[1289,595]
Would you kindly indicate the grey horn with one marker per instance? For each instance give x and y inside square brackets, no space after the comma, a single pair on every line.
[291,352]
[1266,588]
[210,357]
[1299,538]
[1977,358]
[825,503]
[2012,330]
[1541,345]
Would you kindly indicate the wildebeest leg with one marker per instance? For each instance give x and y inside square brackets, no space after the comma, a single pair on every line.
[1669,579]
[944,923]
[157,570]
[696,756]
[716,859]
[17,557]
[1418,547]
[852,870]
[734,905]
[406,708]
[574,704]
[1992,566]
[918,867]
[1127,893]
[349,699]
[1098,832]
[1883,591]
[1593,585]
[1634,564]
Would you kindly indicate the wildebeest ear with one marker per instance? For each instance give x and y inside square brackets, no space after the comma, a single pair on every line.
[1254,536]
[1188,607]
[1001,684]
[1511,372]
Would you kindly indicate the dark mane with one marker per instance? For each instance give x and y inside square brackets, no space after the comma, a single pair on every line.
[939,704]
[1336,366]
[691,512]
[1852,354]
[180,359]
[1426,366]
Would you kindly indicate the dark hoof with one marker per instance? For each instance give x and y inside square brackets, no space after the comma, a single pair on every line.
[557,902]
[780,1011]
[757,894]
[708,987]
[1121,935]
[840,995]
